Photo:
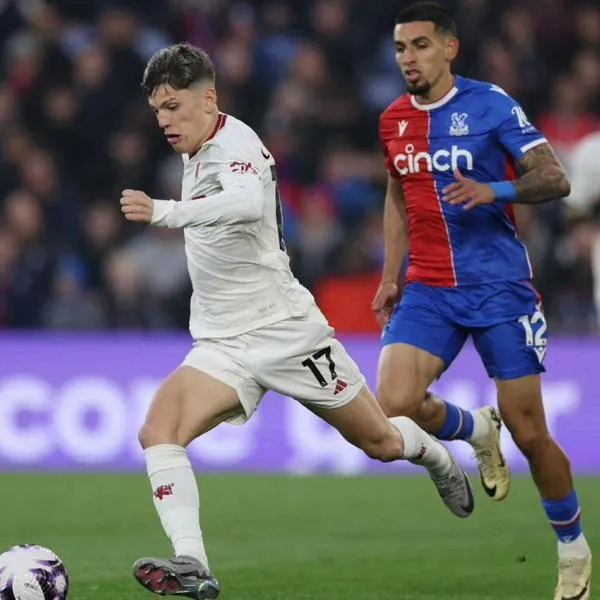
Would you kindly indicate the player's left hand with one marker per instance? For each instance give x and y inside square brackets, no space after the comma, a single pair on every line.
[468,192]
[137,206]
[384,301]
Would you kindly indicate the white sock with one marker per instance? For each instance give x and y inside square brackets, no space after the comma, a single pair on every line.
[420,448]
[578,548]
[176,498]
[481,428]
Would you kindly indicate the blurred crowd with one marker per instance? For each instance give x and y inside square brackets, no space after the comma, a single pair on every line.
[312,77]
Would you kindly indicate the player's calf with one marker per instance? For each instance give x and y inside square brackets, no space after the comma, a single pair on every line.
[362,422]
[175,418]
[480,428]
[405,374]
[450,480]
[551,473]
[523,412]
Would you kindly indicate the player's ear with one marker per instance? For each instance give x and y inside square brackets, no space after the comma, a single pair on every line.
[210,99]
[451,49]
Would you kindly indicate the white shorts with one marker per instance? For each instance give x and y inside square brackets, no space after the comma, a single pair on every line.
[297,357]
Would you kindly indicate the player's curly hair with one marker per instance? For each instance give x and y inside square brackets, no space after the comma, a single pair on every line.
[179,66]
[428,11]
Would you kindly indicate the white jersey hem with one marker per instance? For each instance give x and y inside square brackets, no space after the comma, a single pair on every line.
[231,333]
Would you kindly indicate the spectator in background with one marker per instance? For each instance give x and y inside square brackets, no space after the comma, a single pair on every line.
[584,204]
[72,306]
[312,78]
[30,277]
[9,250]
[569,117]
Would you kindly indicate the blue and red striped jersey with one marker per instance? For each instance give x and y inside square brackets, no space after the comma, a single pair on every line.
[482,131]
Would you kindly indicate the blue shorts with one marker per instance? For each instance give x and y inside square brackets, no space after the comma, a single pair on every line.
[504,319]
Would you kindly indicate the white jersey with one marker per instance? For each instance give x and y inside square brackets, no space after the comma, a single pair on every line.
[231,214]
[585,180]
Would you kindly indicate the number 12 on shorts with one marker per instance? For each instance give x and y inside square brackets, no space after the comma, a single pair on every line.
[309,363]
[535,332]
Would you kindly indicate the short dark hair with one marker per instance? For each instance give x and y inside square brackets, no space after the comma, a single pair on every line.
[180,66]
[428,11]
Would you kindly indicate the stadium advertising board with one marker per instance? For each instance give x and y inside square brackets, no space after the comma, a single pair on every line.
[73,402]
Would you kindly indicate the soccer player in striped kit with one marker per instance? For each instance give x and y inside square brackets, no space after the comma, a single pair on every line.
[459,154]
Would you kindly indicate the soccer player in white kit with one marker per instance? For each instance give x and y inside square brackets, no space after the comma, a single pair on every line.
[254,326]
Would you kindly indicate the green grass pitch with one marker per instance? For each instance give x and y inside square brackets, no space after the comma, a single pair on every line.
[304,538]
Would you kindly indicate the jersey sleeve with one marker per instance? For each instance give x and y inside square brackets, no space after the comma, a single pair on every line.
[240,199]
[384,126]
[511,125]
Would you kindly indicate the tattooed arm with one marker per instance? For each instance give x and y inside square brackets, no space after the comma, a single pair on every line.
[544,179]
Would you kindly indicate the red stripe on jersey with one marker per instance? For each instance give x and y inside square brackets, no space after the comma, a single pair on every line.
[388,129]
[218,126]
[536,292]
[431,256]
[404,133]
[221,120]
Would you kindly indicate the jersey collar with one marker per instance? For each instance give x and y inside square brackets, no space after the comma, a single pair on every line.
[444,100]
[221,120]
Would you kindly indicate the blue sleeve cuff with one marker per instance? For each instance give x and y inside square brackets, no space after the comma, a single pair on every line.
[504,191]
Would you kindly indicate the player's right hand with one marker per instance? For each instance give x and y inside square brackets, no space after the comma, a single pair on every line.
[384,301]
[137,206]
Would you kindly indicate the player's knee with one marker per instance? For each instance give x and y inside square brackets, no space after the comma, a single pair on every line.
[153,434]
[399,400]
[146,437]
[530,440]
[386,448]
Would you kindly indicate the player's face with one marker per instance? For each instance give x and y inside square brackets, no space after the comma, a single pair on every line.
[423,55]
[186,117]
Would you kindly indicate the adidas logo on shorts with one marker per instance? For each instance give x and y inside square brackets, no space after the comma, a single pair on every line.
[340,386]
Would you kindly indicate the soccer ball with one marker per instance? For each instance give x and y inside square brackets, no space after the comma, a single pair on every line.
[30,572]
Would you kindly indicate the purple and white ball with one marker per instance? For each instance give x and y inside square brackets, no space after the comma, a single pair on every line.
[30,572]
